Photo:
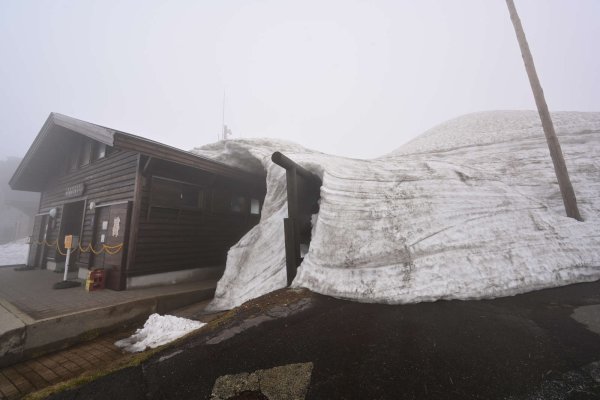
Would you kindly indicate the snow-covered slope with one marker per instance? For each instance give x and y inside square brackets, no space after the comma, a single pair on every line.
[469,209]
[14,252]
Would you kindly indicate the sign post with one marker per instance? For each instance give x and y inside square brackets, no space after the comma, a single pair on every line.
[71,242]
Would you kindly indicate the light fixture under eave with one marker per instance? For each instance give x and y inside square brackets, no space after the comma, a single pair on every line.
[92,205]
[52,212]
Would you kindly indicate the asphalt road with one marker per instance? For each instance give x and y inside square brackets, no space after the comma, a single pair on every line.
[522,347]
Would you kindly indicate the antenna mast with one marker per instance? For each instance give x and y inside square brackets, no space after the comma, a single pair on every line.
[225,131]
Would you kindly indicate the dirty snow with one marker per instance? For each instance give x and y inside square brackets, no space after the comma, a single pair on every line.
[14,253]
[470,209]
[157,331]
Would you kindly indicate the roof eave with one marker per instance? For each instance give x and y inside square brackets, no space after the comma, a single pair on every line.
[93,131]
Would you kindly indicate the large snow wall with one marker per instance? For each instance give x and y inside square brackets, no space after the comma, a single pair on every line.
[470,209]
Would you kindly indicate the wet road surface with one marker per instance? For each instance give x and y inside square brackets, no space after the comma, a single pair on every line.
[523,347]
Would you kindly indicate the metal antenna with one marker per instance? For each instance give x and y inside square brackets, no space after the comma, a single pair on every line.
[223,123]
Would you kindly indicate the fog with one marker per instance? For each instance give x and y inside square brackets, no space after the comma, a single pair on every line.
[350,78]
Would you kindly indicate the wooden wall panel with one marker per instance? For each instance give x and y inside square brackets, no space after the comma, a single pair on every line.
[171,239]
[107,180]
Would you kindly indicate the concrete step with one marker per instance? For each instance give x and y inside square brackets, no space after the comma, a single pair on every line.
[22,337]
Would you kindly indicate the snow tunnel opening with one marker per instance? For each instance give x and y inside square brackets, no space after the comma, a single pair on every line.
[303,194]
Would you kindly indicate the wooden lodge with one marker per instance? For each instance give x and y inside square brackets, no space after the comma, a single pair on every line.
[146,212]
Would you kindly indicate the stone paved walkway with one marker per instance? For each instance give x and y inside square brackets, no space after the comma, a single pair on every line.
[32,375]
[20,379]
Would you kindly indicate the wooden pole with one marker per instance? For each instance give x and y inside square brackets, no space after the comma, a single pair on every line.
[560,168]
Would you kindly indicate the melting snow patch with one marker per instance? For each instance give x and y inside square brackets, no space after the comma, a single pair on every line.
[158,330]
[14,252]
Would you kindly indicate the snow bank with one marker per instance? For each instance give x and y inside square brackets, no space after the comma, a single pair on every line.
[158,330]
[14,253]
[469,209]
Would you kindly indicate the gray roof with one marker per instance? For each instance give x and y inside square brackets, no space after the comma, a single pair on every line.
[54,139]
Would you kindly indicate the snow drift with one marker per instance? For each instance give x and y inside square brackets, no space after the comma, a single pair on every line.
[470,209]
[13,253]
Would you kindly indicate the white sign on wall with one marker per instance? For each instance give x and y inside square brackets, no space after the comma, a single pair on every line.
[116,226]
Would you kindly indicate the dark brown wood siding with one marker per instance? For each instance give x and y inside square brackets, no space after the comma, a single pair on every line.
[107,180]
[171,238]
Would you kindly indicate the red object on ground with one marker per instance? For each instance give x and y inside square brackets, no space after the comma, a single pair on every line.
[96,279]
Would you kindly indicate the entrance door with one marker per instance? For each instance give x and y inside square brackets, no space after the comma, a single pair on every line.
[111,232]
[72,218]
[37,252]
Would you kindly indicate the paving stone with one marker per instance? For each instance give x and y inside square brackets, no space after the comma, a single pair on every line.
[63,372]
[71,366]
[43,371]
[36,379]
[18,380]
[7,389]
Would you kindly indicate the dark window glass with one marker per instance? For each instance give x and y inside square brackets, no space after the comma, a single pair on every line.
[254,206]
[173,194]
[200,203]
[189,195]
[99,151]
[86,153]
[221,201]
[74,159]
[238,204]
[166,193]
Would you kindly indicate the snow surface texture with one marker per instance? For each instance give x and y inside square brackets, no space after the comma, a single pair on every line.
[14,253]
[470,209]
[158,330]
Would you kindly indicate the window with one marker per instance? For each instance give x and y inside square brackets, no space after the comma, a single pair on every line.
[86,153]
[254,206]
[238,204]
[166,193]
[174,194]
[221,201]
[200,203]
[189,196]
[74,158]
[99,151]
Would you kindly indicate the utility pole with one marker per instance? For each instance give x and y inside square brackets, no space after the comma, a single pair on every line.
[560,168]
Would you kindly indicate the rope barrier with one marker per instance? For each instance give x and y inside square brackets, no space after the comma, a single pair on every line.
[113,251]
[58,249]
[108,249]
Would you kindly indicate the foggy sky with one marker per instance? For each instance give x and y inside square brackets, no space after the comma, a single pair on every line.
[353,78]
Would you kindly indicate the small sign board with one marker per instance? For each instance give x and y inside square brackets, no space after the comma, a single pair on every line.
[75,190]
[71,241]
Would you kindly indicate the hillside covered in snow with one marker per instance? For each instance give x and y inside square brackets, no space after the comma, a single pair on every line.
[469,209]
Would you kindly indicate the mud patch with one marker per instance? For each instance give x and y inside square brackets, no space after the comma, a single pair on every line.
[289,382]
